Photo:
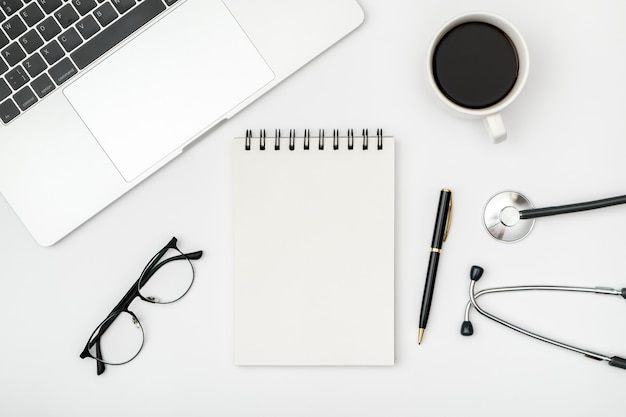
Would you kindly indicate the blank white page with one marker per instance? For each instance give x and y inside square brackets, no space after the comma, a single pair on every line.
[313,253]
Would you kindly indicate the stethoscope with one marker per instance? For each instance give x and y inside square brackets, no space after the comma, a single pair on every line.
[467,329]
[509,217]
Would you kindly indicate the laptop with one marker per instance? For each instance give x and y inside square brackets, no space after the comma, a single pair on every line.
[96,95]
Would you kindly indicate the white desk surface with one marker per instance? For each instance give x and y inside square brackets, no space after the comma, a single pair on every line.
[567,142]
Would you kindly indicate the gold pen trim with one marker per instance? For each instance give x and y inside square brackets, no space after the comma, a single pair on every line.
[435,250]
[449,220]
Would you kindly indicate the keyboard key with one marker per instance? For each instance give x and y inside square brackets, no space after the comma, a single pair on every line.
[11,6]
[42,85]
[84,6]
[63,71]
[13,54]
[14,27]
[70,39]
[4,41]
[52,52]
[123,6]
[32,14]
[117,32]
[105,14]
[170,2]
[88,27]
[8,111]
[5,90]
[66,15]
[17,77]
[48,28]
[3,67]
[25,98]
[49,5]
[34,65]
[31,41]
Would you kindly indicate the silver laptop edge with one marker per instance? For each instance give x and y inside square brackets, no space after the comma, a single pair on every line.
[56,175]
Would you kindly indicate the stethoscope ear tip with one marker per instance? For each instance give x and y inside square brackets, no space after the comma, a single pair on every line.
[467,329]
[476,272]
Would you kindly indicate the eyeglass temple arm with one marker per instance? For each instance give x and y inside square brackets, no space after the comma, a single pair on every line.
[85,353]
[194,255]
[99,364]
[155,265]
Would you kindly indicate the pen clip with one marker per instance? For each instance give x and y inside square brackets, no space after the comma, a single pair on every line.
[449,220]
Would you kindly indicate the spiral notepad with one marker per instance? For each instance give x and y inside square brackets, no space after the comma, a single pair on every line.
[313,249]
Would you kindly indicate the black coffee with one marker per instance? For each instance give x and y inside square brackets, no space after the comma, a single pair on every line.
[475,65]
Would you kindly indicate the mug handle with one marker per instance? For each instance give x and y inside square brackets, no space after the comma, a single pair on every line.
[495,127]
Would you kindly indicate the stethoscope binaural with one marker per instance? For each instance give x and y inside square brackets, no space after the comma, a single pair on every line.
[509,216]
[467,328]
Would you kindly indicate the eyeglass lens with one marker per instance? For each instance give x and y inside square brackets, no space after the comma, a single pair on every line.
[119,339]
[169,280]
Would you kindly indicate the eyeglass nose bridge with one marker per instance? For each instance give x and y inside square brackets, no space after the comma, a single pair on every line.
[136,321]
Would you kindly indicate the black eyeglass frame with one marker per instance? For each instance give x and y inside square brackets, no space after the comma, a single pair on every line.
[122,307]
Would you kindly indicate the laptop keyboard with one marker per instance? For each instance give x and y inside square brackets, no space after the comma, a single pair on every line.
[44,43]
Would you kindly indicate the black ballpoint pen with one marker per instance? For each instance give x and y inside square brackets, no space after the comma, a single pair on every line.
[442,226]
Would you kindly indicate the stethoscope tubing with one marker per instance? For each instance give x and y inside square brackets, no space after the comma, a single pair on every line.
[572,208]
[595,290]
[472,302]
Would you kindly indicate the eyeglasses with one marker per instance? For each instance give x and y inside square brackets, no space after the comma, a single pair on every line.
[165,279]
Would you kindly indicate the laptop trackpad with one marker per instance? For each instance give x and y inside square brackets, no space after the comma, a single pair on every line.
[168,85]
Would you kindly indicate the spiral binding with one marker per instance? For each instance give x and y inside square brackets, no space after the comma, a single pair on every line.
[307,139]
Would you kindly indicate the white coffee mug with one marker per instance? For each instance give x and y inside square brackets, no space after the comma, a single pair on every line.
[490,115]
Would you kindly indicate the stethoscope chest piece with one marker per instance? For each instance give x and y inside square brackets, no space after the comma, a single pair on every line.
[502,216]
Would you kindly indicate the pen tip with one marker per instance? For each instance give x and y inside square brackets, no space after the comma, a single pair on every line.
[420,336]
